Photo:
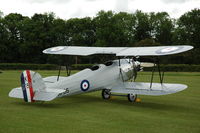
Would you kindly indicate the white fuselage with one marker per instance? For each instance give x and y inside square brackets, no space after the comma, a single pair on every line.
[98,77]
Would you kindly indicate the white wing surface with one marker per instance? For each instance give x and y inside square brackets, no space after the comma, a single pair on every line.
[83,51]
[118,51]
[144,88]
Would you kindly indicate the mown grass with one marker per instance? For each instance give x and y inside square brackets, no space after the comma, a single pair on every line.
[89,113]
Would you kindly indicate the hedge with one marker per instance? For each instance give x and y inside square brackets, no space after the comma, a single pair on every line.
[81,66]
[177,68]
[21,66]
[166,67]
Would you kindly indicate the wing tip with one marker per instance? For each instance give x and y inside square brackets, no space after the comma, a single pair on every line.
[54,50]
[190,47]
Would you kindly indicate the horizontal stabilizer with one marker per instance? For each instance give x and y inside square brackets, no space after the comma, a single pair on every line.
[44,95]
[144,88]
[47,95]
[16,93]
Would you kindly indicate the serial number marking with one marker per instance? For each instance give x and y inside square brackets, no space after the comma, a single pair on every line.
[64,93]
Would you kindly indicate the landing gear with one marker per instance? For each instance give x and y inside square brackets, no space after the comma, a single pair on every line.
[106,94]
[132,97]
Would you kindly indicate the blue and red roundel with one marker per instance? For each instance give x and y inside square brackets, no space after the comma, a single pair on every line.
[85,85]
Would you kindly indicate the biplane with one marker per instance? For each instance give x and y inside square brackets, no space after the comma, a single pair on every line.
[112,78]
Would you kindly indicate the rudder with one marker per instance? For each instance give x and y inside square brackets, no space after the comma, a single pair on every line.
[30,83]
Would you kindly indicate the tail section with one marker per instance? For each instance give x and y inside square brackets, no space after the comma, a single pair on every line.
[30,83]
[34,89]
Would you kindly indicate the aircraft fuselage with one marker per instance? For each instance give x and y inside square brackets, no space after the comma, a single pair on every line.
[102,76]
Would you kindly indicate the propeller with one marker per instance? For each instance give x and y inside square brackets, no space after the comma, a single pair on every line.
[138,66]
[146,64]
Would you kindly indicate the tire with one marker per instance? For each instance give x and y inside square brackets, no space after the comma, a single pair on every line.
[132,97]
[106,94]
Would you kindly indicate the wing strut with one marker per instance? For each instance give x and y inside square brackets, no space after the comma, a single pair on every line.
[59,73]
[120,70]
[152,75]
[161,76]
[68,70]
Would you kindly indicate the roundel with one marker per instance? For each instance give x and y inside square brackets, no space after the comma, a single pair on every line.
[168,50]
[56,49]
[85,85]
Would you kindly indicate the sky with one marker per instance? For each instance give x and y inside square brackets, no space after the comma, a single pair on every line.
[67,9]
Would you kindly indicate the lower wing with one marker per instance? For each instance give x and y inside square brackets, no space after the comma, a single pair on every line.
[145,89]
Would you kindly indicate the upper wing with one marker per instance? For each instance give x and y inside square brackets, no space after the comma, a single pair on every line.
[119,51]
[84,51]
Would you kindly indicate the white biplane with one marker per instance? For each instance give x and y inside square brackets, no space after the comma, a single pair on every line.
[113,77]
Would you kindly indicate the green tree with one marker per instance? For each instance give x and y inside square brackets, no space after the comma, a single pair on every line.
[1,14]
[12,23]
[59,33]
[124,29]
[22,39]
[161,27]
[104,24]
[189,29]
[188,33]
[3,41]
[38,35]
[142,26]
[81,32]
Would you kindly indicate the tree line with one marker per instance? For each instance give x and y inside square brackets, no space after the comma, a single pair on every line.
[22,38]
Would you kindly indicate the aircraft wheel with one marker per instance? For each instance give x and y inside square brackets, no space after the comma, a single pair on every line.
[132,97]
[106,94]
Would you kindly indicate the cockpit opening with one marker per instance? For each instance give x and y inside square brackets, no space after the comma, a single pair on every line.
[109,63]
[95,67]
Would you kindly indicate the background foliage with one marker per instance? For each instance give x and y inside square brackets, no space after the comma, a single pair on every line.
[22,38]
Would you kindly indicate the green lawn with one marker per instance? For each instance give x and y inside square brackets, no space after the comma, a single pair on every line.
[89,113]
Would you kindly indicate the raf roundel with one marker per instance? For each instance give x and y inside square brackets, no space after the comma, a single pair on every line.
[85,85]
[165,50]
[168,50]
[56,49]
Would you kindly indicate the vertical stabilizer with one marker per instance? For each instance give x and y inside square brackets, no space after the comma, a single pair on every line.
[31,82]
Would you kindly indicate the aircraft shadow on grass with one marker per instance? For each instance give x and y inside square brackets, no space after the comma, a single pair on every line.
[84,100]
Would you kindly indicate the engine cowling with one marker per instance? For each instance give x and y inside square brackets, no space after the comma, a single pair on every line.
[127,70]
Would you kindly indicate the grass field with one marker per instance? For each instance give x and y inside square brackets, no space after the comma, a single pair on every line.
[89,113]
